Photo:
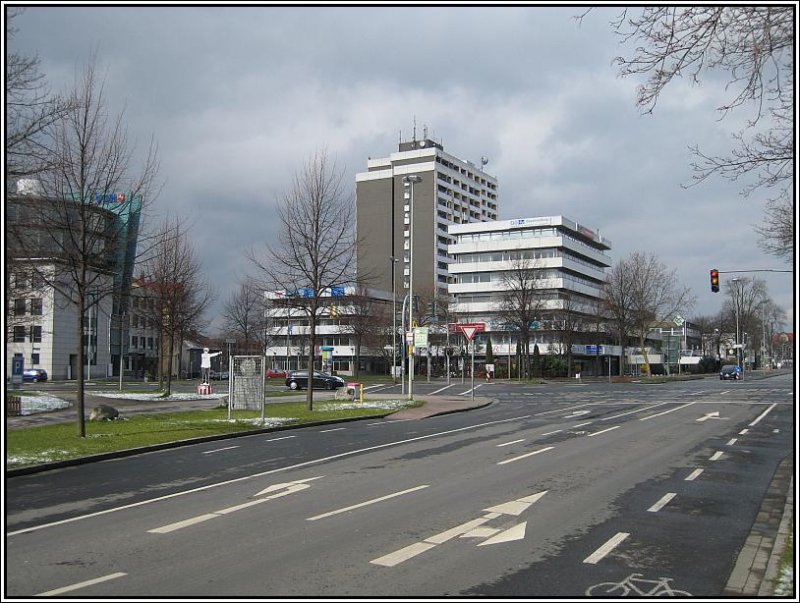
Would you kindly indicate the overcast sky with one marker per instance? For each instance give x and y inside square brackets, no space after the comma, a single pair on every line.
[238,99]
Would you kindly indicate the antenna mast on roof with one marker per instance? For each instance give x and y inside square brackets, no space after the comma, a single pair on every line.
[414,137]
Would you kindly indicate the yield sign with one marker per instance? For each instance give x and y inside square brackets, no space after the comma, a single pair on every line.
[470,328]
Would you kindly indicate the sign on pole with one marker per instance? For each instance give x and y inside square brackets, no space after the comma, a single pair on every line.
[469,328]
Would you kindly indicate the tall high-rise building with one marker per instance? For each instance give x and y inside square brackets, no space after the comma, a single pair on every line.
[448,191]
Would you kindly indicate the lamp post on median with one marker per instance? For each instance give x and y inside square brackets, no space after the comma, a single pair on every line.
[394,261]
[409,182]
[736,301]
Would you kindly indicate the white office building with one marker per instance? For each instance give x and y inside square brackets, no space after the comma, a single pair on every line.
[567,261]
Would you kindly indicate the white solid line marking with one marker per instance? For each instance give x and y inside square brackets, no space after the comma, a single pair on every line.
[179,525]
[609,546]
[219,450]
[732,441]
[334,429]
[716,456]
[744,431]
[604,430]
[666,412]
[444,388]
[283,438]
[663,501]
[552,432]
[762,415]
[631,412]
[693,475]
[260,474]
[77,585]
[516,458]
[509,443]
[581,424]
[408,552]
[364,504]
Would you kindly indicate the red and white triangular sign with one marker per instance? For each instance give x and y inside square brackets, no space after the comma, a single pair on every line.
[469,332]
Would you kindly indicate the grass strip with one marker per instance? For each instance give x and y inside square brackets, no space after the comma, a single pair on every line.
[51,443]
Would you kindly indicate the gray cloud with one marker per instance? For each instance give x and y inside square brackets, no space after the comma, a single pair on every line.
[238,98]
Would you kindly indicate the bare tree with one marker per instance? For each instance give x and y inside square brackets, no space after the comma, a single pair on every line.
[617,304]
[316,245]
[754,46]
[522,302]
[80,219]
[31,109]
[244,313]
[652,295]
[181,295]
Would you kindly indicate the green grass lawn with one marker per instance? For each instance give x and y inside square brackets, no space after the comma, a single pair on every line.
[50,443]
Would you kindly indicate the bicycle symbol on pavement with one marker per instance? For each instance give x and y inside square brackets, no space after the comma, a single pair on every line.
[636,586]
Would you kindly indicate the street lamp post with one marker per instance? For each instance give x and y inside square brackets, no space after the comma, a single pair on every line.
[394,319]
[737,346]
[409,182]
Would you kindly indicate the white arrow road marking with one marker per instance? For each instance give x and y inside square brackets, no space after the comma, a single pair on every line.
[470,529]
[515,507]
[84,584]
[709,415]
[278,489]
[516,532]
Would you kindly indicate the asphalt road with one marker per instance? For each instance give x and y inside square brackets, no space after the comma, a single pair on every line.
[562,490]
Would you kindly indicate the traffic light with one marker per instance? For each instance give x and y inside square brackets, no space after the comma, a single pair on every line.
[715,281]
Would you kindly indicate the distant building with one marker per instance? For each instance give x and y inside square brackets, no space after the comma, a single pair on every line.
[450,191]
[42,321]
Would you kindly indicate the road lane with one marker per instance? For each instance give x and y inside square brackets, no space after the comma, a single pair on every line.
[271,549]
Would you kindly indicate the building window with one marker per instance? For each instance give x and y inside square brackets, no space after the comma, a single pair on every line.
[35,358]
[36,334]
[149,343]
[19,307]
[19,334]
[36,306]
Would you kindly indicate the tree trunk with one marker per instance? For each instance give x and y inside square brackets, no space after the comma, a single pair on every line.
[310,372]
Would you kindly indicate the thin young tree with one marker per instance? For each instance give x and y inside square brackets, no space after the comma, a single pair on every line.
[656,296]
[522,301]
[243,313]
[68,222]
[316,244]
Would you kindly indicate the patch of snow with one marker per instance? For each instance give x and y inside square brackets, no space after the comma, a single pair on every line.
[30,405]
[377,404]
[157,397]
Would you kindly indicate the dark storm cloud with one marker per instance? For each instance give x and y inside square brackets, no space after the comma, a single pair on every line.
[239,98]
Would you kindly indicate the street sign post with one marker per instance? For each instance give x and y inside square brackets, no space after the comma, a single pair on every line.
[469,329]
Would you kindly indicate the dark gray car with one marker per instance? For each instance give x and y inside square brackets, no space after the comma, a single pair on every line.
[299,380]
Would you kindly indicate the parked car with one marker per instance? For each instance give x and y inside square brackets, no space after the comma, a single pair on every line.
[218,374]
[730,371]
[299,380]
[273,373]
[33,375]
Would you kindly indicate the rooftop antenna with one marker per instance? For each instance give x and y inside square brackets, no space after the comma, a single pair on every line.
[484,161]
[414,138]
[425,132]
